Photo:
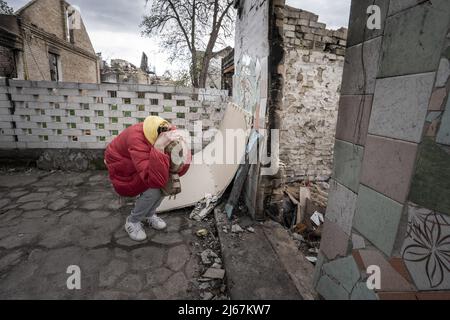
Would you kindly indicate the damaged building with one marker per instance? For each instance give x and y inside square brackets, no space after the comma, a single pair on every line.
[287,74]
[47,40]
[122,71]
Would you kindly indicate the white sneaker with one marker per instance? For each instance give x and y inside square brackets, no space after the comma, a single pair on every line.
[135,231]
[156,222]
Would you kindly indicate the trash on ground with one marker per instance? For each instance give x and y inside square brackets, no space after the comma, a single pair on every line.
[311,259]
[201,233]
[317,218]
[235,228]
[204,207]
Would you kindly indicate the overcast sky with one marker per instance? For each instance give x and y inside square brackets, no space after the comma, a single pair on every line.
[113,26]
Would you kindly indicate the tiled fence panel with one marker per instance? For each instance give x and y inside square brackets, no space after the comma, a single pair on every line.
[41,114]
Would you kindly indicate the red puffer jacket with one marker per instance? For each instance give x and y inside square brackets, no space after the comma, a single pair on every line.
[134,165]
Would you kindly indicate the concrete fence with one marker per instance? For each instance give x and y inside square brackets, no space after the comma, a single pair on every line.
[63,115]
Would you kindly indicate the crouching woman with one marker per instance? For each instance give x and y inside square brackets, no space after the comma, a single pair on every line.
[139,164]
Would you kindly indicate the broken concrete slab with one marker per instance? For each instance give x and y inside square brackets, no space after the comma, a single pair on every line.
[213,273]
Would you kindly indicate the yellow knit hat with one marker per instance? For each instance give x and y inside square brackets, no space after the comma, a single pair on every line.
[151,125]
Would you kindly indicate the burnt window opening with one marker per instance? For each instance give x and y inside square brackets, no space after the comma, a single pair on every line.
[54,66]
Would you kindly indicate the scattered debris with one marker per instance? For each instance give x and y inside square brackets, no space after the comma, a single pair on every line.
[216,265]
[214,273]
[204,286]
[317,218]
[206,295]
[311,259]
[201,233]
[235,228]
[298,237]
[204,207]
[250,229]
[206,256]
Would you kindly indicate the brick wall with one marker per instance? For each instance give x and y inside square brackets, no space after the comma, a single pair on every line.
[312,73]
[41,114]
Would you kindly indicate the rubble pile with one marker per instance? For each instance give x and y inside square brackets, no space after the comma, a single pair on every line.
[303,214]
[211,282]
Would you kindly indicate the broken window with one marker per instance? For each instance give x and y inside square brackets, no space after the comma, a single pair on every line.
[54,69]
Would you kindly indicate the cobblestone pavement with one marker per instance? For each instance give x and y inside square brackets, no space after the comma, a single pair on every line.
[51,220]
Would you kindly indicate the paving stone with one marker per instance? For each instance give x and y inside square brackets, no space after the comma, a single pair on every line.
[97,214]
[36,214]
[3,202]
[8,216]
[177,257]
[330,289]
[388,166]
[92,205]
[158,276]
[32,197]
[361,292]
[109,274]
[94,259]
[95,239]
[347,164]
[31,226]
[58,260]
[391,280]
[61,235]
[127,242]
[192,268]
[58,204]
[8,181]
[131,282]
[173,288]
[351,125]
[335,242]
[400,106]
[119,253]
[353,76]
[10,259]
[375,212]
[17,194]
[341,206]
[344,270]
[411,37]
[167,238]
[146,258]
[173,223]
[110,295]
[34,205]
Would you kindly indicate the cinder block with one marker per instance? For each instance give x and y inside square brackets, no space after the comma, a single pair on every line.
[400,106]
